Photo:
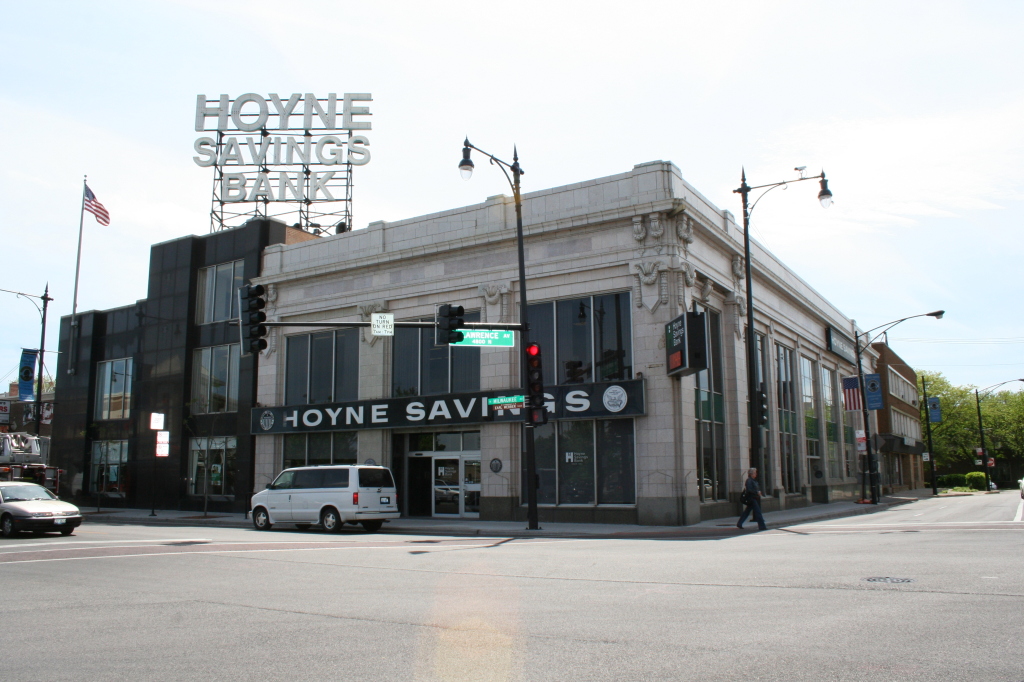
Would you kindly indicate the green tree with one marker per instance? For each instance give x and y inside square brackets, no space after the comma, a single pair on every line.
[956,436]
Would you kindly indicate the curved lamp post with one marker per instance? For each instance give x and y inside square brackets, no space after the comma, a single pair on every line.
[45,298]
[872,464]
[466,170]
[825,197]
[981,431]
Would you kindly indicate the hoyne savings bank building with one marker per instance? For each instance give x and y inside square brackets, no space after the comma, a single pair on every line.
[609,262]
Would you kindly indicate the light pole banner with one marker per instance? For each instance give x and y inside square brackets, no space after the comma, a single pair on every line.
[873,391]
[934,411]
[27,375]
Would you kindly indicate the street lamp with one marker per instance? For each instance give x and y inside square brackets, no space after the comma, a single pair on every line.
[825,197]
[466,170]
[981,431]
[45,298]
[871,463]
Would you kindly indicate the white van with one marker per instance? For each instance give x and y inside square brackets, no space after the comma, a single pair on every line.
[329,495]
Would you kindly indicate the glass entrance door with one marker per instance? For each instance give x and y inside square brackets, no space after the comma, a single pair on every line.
[446,486]
[457,484]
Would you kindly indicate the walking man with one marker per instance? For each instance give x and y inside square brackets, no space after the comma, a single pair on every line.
[751,497]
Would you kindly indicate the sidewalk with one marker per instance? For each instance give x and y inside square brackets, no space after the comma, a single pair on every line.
[476,527]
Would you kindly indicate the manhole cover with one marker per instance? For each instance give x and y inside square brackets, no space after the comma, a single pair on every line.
[889,580]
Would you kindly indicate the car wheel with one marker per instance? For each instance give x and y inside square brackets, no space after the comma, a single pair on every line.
[372,526]
[303,526]
[7,527]
[330,520]
[261,519]
[67,531]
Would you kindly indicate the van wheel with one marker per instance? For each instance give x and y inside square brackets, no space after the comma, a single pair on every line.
[372,526]
[260,519]
[330,520]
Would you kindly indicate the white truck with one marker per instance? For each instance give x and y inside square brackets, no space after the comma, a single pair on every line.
[26,457]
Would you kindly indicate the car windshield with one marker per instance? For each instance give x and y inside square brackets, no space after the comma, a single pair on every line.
[23,493]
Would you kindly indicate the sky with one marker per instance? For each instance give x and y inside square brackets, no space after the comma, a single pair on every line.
[913,109]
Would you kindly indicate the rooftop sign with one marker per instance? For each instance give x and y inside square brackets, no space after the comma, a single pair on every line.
[289,158]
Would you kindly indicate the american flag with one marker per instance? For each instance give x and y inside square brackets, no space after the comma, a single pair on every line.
[851,393]
[92,205]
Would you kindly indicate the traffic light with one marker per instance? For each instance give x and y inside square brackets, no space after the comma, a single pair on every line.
[575,372]
[761,408]
[449,320]
[536,410]
[252,317]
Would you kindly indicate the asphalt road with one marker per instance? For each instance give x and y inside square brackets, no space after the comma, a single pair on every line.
[116,602]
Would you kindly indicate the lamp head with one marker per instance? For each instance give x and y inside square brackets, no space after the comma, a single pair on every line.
[937,314]
[824,196]
[466,165]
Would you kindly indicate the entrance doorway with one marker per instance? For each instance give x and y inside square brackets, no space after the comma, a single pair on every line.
[445,485]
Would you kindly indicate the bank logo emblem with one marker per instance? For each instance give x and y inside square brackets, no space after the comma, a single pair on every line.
[615,398]
[267,420]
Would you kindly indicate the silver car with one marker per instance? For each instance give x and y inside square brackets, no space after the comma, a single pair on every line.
[27,506]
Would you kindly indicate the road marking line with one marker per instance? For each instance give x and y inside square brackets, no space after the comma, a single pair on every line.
[97,542]
[1020,511]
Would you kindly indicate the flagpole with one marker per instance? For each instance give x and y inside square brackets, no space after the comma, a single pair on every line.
[78,267]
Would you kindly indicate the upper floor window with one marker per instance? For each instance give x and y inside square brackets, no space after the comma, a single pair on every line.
[114,389]
[584,339]
[902,388]
[322,367]
[218,292]
[420,366]
[215,379]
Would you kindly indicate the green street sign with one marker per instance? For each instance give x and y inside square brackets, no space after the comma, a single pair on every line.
[487,337]
[510,400]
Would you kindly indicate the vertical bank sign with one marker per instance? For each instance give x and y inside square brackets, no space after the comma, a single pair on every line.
[286,157]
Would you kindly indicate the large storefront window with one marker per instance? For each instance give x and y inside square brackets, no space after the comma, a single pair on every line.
[789,435]
[107,468]
[212,466]
[812,424]
[322,367]
[764,459]
[712,480]
[588,339]
[833,422]
[421,366]
[585,462]
[217,288]
[320,449]
[215,379]
[114,389]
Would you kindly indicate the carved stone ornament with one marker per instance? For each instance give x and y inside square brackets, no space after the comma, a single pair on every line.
[639,231]
[365,311]
[737,270]
[657,229]
[685,279]
[495,295]
[651,289]
[739,311]
[705,291]
[684,230]
[271,312]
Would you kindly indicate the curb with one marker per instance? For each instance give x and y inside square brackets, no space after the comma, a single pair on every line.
[682,531]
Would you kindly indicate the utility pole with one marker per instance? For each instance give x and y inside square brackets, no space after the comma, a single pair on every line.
[42,352]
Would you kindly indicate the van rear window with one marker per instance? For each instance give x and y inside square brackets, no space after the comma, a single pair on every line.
[375,478]
[335,478]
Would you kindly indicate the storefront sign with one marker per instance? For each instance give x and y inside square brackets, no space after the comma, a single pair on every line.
[576,401]
[841,345]
[298,149]
[675,346]
[5,411]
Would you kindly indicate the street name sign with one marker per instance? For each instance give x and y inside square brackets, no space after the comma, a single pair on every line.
[487,337]
[507,402]
[382,324]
